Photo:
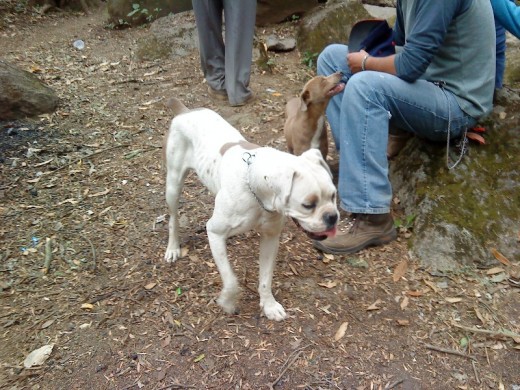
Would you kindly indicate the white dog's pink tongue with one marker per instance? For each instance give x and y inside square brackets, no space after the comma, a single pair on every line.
[330,232]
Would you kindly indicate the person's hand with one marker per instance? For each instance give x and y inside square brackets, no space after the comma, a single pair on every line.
[354,60]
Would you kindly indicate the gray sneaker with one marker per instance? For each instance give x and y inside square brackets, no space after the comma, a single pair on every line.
[217,94]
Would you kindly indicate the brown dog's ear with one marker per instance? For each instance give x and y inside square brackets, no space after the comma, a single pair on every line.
[305,97]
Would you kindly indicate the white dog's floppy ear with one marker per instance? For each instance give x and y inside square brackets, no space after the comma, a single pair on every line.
[315,156]
[281,185]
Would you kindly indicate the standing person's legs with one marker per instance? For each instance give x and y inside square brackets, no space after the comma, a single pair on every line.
[240,17]
[208,16]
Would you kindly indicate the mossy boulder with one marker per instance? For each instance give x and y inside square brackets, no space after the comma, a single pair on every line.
[330,24]
[464,213]
[123,13]
[276,11]
[512,72]
[171,37]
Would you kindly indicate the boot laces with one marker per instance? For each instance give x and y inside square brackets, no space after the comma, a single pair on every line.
[349,224]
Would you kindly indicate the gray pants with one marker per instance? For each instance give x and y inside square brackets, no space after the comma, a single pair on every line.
[226,66]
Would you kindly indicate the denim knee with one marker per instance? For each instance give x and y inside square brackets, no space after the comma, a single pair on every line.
[332,59]
[360,83]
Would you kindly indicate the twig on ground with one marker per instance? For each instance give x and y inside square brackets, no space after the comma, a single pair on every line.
[394,384]
[101,297]
[474,364]
[489,332]
[450,351]
[93,251]
[85,157]
[176,386]
[288,363]
[48,256]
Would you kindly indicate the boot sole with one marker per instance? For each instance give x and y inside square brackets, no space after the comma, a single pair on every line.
[373,242]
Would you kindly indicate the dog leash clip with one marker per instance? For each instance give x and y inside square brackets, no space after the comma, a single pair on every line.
[248,157]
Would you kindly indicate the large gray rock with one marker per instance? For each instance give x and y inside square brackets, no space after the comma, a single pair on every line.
[22,94]
[330,24]
[134,13]
[512,73]
[461,214]
[171,37]
[276,11]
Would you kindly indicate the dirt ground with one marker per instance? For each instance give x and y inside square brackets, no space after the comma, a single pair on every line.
[84,188]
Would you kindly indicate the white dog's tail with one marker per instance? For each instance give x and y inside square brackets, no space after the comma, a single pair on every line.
[177,106]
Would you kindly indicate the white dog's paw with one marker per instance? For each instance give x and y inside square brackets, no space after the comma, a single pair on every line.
[172,254]
[228,300]
[274,311]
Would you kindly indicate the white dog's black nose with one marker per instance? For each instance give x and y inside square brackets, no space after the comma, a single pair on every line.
[330,219]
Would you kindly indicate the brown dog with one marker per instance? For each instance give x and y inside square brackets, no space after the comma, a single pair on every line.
[305,115]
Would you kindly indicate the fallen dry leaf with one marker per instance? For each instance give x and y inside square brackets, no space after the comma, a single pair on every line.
[329,284]
[99,193]
[165,342]
[400,270]
[416,293]
[494,271]
[327,258]
[404,303]
[341,331]
[374,306]
[38,356]
[480,316]
[500,257]
[151,285]
[453,300]
[293,269]
[431,285]
[403,322]
[46,324]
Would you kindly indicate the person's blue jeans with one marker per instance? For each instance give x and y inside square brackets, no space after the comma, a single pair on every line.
[360,116]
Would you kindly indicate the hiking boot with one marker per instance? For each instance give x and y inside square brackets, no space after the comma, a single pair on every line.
[397,140]
[359,231]
[217,94]
[247,100]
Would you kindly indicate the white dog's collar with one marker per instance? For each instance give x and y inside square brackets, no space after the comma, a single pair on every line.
[248,159]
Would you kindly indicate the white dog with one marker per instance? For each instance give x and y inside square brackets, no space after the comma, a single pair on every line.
[255,188]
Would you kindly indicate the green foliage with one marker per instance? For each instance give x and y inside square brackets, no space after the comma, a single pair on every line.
[309,59]
[20,6]
[406,225]
[137,9]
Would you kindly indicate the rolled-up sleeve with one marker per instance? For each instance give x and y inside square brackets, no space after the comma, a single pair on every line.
[425,30]
[508,15]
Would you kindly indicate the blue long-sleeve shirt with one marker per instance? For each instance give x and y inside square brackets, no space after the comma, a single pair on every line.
[507,13]
[443,40]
